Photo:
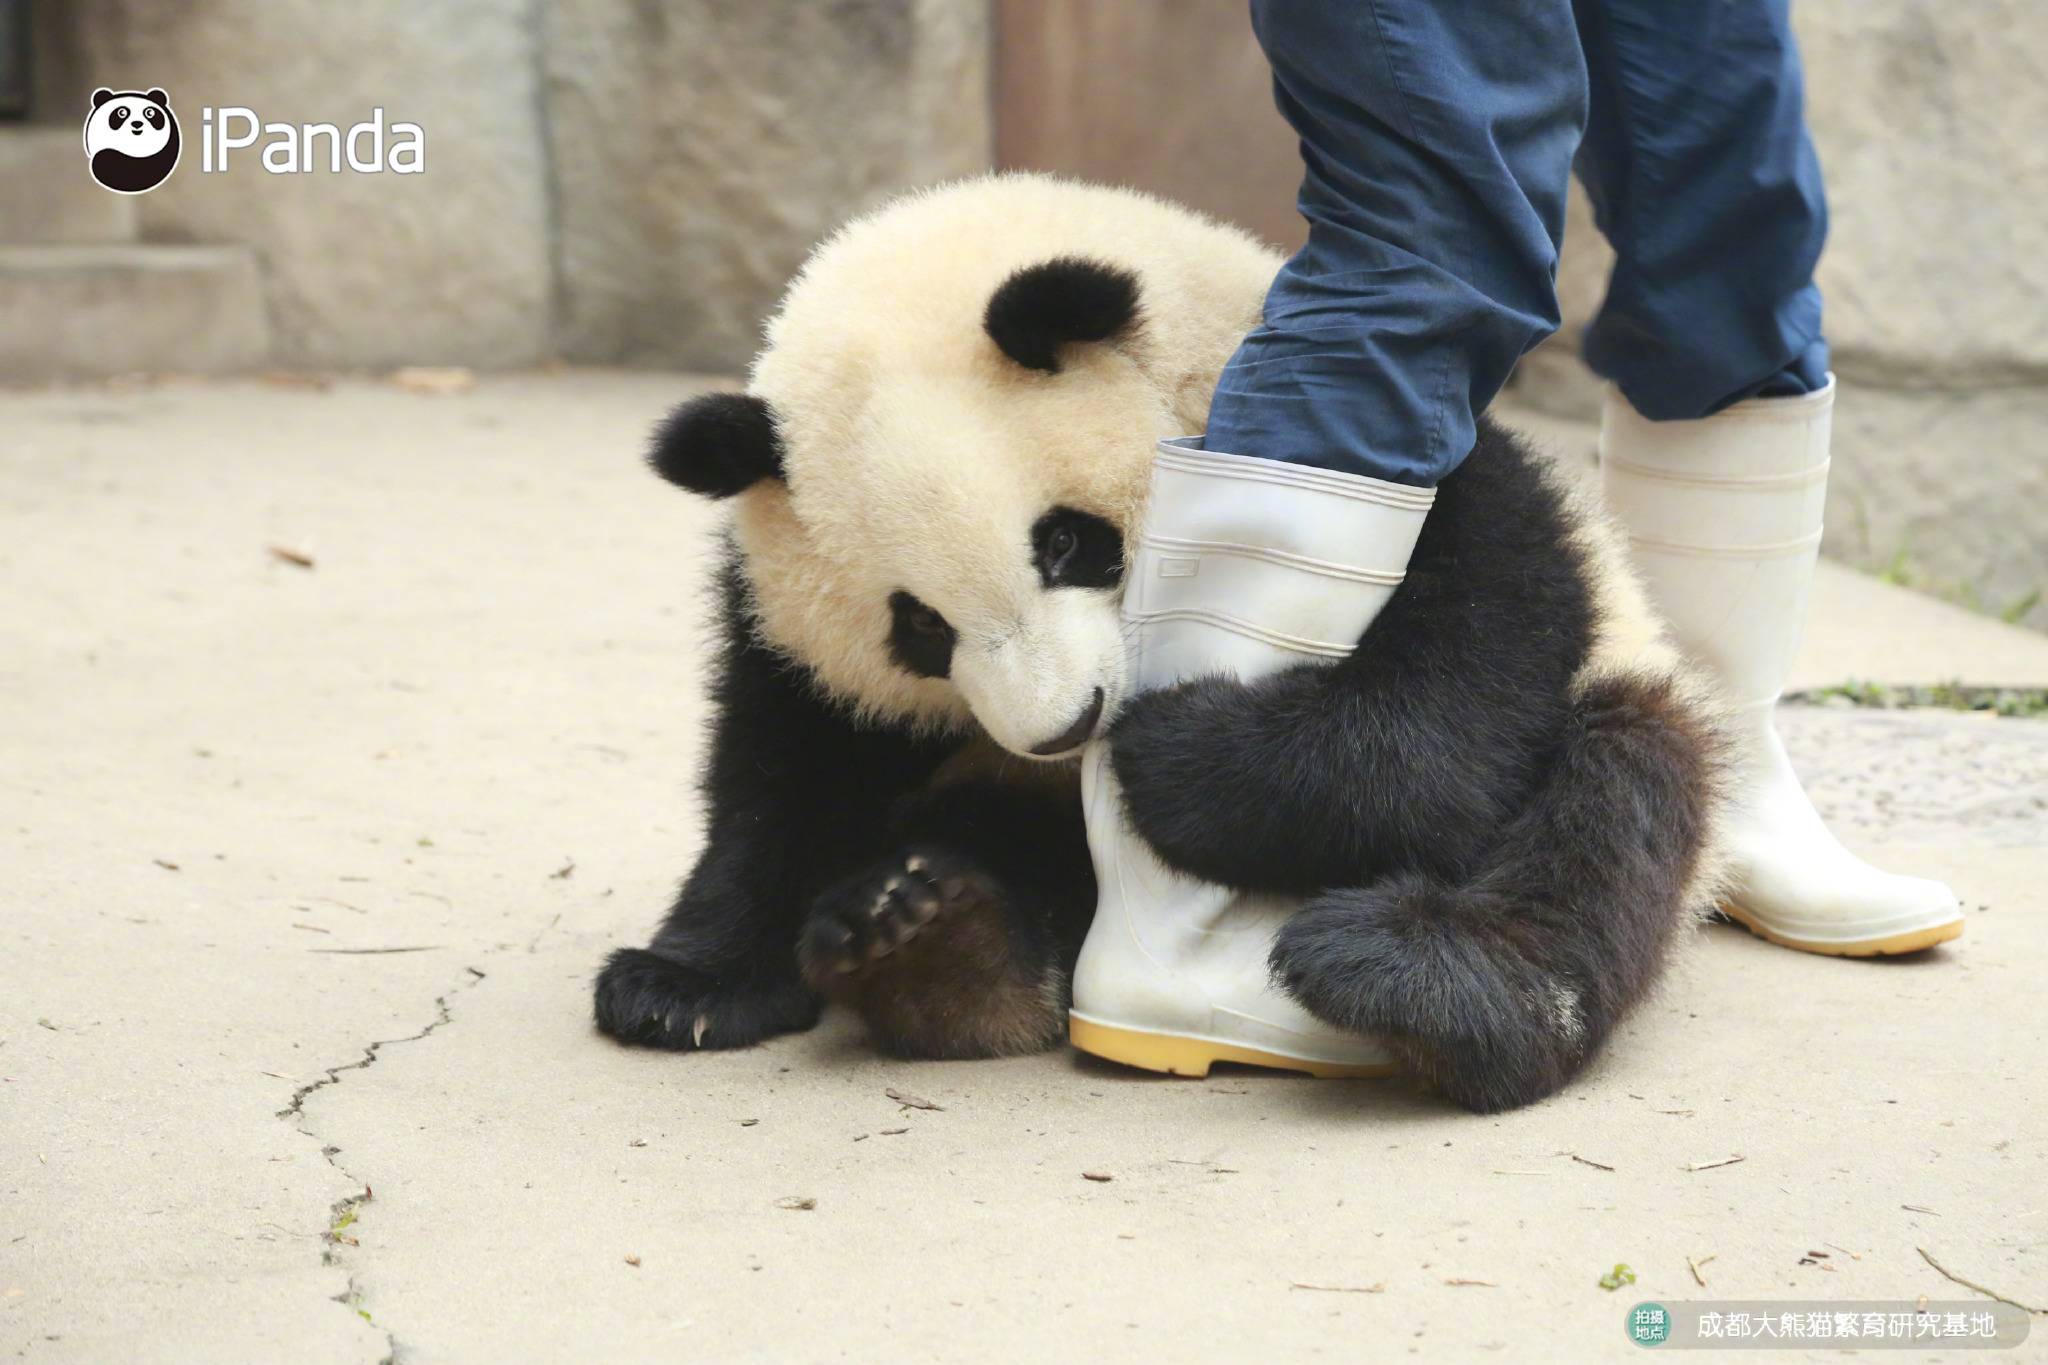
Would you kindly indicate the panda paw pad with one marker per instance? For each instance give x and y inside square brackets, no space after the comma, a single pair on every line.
[863,922]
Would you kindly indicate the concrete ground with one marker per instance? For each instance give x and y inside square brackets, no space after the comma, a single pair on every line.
[308,869]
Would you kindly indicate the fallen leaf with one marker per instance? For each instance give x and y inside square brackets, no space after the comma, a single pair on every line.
[165,864]
[637,1142]
[288,555]
[294,379]
[910,1101]
[1617,1277]
[894,1132]
[561,874]
[799,1202]
[1100,1177]
[748,1123]
[632,1260]
[434,378]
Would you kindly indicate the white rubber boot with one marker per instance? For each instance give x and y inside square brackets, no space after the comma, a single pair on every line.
[1725,517]
[1245,567]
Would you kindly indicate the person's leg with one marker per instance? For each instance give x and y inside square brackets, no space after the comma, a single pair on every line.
[1703,177]
[1436,140]
[1714,444]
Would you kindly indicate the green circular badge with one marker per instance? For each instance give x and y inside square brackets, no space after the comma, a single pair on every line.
[1649,1324]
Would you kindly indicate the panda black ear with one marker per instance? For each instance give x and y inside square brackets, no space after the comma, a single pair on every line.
[1068,298]
[718,445]
[101,96]
[155,96]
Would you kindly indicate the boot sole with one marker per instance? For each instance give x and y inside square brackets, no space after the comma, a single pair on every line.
[1912,941]
[1175,1054]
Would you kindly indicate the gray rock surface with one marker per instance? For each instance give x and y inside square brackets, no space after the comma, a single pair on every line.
[49,198]
[700,152]
[452,264]
[95,311]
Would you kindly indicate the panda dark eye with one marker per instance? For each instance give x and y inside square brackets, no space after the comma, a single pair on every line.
[920,640]
[119,116]
[1077,550]
[155,119]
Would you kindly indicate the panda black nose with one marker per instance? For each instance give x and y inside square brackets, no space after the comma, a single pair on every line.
[135,125]
[1077,733]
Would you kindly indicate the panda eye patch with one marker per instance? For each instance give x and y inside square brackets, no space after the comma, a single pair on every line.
[155,119]
[920,640]
[1077,550]
[119,116]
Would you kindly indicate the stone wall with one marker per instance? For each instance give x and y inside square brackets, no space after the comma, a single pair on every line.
[701,149]
[1929,119]
[606,180]
[451,265]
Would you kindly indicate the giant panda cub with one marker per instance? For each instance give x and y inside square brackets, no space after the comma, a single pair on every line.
[1499,809]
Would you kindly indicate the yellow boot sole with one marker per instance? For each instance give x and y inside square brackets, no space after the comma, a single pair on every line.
[1177,1055]
[1912,941]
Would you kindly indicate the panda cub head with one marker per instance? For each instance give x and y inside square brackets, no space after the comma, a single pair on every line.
[946,443]
[131,138]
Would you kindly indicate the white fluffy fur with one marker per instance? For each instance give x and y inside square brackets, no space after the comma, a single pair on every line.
[918,455]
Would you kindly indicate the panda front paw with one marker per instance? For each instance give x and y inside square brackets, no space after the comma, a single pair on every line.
[859,924]
[1181,755]
[649,1000]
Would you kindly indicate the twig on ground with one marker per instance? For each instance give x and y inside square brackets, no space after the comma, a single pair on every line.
[1379,1288]
[1710,1165]
[1694,1267]
[910,1101]
[1972,1284]
[1588,1161]
[371,952]
[286,554]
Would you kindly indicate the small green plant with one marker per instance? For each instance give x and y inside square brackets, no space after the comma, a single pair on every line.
[1617,1277]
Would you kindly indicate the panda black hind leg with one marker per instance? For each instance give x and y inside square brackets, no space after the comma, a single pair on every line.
[1501,988]
[961,942]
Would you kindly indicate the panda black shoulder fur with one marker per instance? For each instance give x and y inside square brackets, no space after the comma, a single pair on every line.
[1500,808]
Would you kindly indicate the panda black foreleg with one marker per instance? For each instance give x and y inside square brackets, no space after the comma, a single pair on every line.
[960,941]
[798,797]
[1318,777]
[1502,988]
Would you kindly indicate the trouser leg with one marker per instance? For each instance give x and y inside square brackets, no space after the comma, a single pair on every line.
[1704,179]
[1436,142]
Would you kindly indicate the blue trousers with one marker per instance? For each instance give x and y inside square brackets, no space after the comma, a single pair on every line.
[1437,141]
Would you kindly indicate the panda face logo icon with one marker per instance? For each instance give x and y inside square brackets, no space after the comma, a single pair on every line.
[132,139]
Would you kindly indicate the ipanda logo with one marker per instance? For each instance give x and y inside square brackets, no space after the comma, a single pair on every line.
[131,139]
[132,143]
[290,148]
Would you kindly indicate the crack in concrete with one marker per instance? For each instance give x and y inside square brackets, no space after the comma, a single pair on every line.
[342,1213]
